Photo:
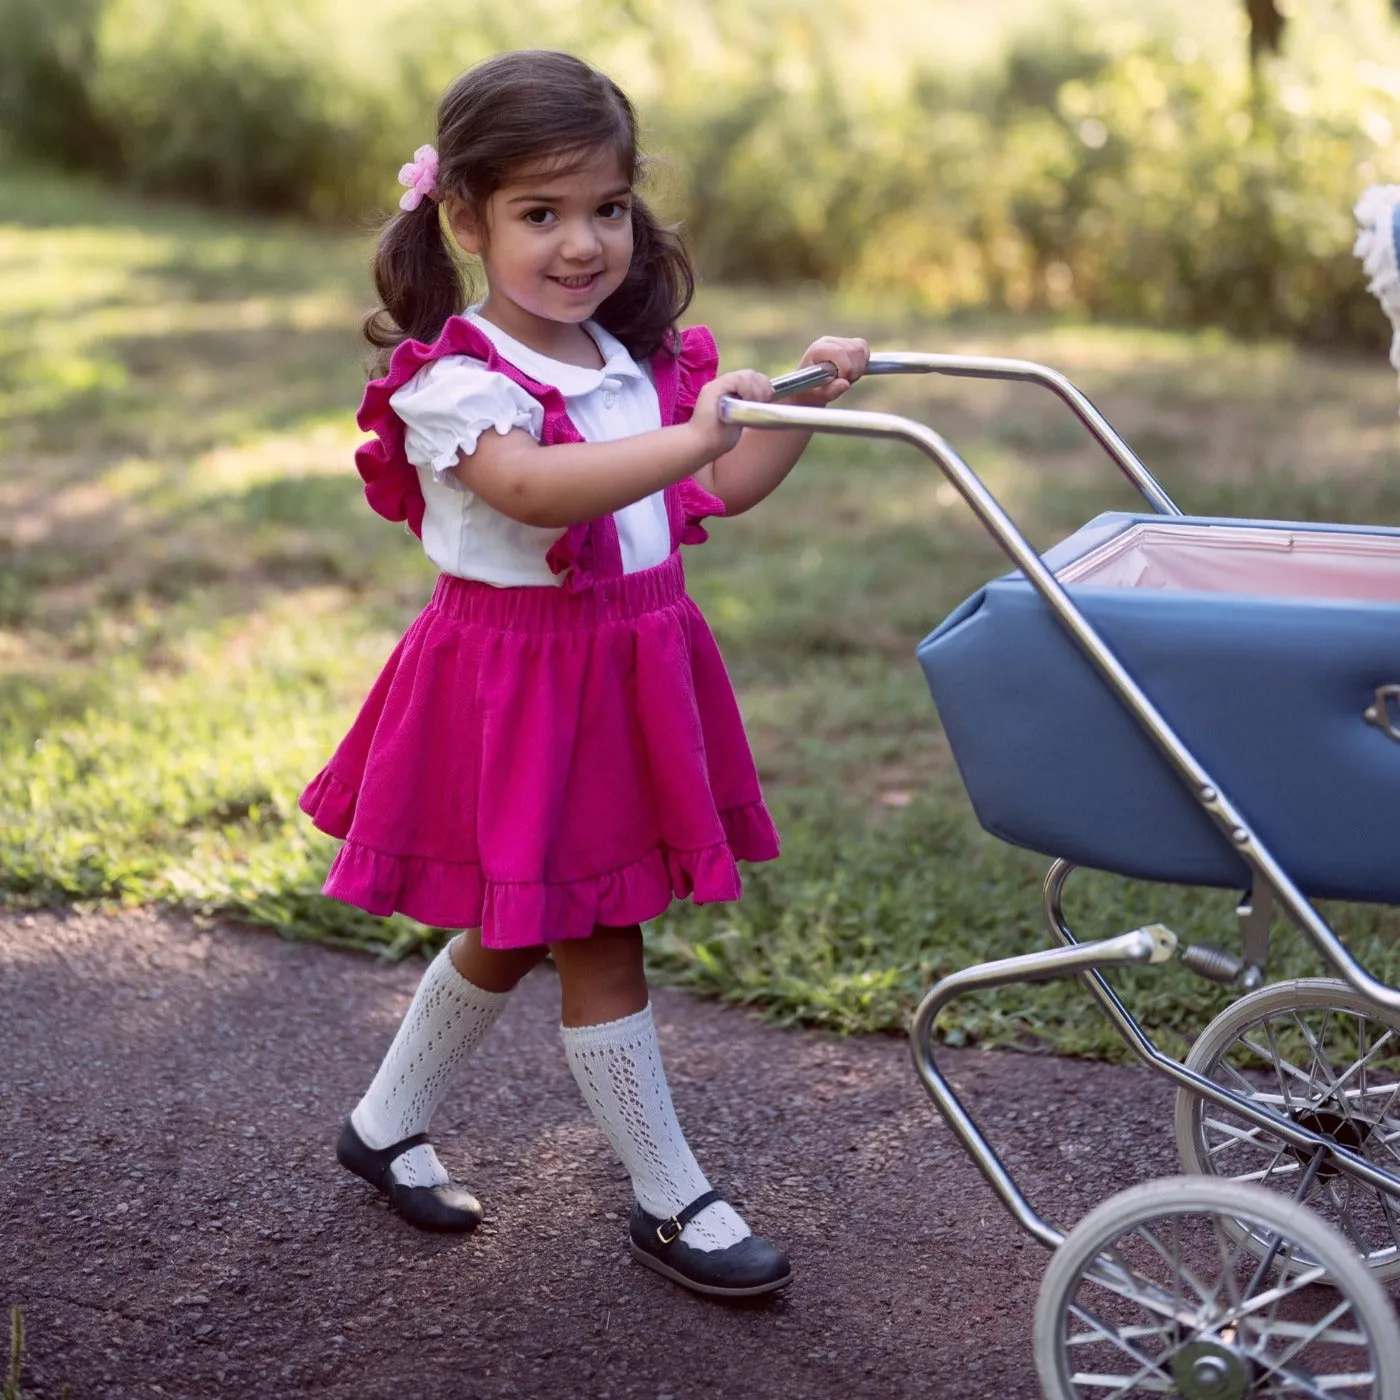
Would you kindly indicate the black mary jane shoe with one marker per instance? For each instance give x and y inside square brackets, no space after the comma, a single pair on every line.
[445,1207]
[744,1270]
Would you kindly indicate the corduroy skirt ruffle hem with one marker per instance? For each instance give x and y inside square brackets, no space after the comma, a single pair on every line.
[535,763]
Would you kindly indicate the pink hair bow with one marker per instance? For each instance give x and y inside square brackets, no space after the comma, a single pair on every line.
[420,175]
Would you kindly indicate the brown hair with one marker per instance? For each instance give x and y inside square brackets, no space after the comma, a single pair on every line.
[511,111]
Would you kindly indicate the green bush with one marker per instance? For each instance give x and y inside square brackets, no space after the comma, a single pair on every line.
[1151,185]
[1164,190]
[48,65]
[251,105]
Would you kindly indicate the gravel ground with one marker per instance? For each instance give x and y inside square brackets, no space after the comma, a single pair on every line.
[173,1222]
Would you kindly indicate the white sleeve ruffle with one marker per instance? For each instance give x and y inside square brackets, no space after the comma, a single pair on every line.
[447,406]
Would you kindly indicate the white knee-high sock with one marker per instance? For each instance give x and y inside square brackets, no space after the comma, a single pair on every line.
[446,1019]
[618,1068]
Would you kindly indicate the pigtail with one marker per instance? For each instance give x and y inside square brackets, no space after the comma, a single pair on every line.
[654,295]
[418,282]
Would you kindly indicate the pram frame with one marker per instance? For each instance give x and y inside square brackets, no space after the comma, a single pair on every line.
[1149,945]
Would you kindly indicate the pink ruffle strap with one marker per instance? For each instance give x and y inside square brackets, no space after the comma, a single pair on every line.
[695,504]
[680,376]
[584,552]
[391,482]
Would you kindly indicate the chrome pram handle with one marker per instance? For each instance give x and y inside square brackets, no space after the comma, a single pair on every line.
[1203,788]
[798,381]
[1028,372]
[994,367]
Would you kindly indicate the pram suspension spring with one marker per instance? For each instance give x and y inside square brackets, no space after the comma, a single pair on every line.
[1214,964]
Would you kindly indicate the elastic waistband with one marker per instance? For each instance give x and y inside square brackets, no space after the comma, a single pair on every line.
[533,609]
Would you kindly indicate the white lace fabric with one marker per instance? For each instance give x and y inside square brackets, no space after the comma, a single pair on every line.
[617,1066]
[446,1020]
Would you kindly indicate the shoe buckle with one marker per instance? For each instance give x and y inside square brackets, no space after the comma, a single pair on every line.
[674,1226]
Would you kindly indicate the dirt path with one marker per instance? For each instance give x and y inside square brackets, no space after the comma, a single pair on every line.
[173,1222]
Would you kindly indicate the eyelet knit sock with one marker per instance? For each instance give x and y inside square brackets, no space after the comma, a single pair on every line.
[445,1021]
[618,1068]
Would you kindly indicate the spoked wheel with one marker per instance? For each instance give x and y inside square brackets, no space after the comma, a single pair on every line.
[1153,1294]
[1316,1052]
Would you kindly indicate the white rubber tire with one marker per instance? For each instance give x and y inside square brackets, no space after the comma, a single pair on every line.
[1302,994]
[1231,1199]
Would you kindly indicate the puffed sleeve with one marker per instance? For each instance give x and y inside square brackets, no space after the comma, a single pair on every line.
[447,406]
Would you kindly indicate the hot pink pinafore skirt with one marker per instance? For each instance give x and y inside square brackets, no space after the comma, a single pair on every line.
[535,762]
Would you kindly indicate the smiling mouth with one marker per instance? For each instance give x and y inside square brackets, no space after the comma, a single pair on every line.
[578,284]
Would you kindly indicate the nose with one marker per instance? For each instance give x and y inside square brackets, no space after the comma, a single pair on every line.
[581,241]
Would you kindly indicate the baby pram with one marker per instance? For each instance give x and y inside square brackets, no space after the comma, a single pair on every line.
[1208,702]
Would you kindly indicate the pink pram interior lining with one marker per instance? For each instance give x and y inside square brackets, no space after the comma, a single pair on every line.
[1241,559]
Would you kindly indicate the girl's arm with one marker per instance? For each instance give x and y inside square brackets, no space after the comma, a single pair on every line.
[572,481]
[756,466]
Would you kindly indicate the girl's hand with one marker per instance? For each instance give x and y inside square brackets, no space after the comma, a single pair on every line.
[850,358]
[717,437]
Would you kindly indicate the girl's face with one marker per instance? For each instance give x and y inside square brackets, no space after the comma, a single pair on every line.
[554,248]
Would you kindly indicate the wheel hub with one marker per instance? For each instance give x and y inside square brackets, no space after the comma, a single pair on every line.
[1346,1131]
[1211,1371]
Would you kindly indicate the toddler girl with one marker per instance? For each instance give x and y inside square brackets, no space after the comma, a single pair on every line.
[553,751]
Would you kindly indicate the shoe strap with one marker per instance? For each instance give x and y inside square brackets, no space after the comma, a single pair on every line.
[385,1157]
[670,1229]
[397,1149]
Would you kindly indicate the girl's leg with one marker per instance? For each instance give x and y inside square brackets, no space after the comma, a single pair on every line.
[602,978]
[492,969]
[611,1046]
[461,995]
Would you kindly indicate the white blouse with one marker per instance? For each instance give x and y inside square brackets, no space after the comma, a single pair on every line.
[448,404]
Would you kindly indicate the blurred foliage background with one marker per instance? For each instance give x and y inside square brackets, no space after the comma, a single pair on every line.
[194,598]
[1112,157]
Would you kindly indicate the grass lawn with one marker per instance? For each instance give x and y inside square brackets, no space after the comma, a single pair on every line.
[194,599]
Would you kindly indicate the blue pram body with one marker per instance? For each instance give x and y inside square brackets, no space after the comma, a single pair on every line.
[1268,691]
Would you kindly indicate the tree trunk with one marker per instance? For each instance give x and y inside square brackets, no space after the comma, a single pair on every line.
[1266,28]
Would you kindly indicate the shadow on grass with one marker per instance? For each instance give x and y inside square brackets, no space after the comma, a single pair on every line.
[230,552]
[181,393]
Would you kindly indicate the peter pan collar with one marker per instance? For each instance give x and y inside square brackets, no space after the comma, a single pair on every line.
[573,381]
